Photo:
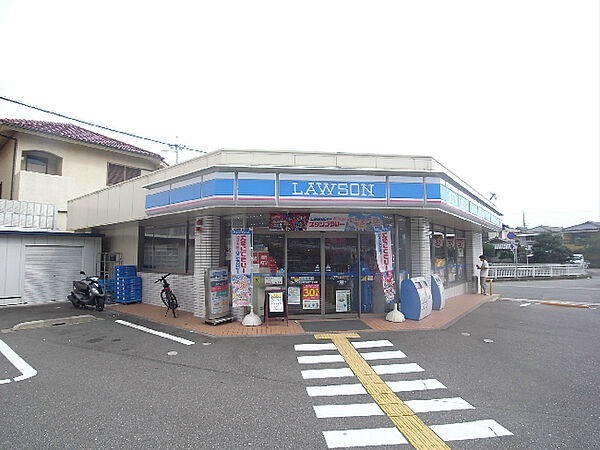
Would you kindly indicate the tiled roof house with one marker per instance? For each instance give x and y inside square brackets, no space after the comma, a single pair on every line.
[51,162]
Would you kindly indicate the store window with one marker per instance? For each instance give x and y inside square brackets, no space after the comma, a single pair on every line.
[461,272]
[168,248]
[117,173]
[448,254]
[438,252]
[451,266]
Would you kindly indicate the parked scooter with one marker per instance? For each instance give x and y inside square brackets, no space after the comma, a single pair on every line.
[87,292]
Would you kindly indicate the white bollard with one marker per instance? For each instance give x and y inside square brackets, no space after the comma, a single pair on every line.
[251,319]
[395,315]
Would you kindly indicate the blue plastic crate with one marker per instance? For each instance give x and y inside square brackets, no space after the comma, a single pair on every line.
[107,284]
[125,271]
[127,300]
[128,281]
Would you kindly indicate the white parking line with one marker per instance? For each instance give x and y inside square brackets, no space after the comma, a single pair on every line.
[157,333]
[26,370]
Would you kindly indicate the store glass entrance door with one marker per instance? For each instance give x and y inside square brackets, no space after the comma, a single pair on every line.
[341,275]
[304,275]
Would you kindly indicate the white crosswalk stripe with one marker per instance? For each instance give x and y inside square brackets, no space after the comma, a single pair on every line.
[346,372]
[470,430]
[373,409]
[364,437]
[331,346]
[332,390]
[368,356]
[383,436]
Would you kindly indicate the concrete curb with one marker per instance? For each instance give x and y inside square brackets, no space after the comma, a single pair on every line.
[72,320]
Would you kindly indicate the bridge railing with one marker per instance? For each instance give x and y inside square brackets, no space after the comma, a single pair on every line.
[498,271]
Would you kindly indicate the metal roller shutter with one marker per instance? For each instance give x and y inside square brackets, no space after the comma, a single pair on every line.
[50,271]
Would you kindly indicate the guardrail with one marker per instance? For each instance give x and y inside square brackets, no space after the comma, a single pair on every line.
[498,271]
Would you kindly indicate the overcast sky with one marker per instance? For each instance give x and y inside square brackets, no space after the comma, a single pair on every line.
[503,93]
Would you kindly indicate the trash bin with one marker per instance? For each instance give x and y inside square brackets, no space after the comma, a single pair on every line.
[438,298]
[415,298]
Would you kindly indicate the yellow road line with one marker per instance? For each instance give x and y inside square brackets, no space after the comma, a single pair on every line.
[404,418]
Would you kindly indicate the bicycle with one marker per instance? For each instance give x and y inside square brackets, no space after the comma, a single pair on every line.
[167,296]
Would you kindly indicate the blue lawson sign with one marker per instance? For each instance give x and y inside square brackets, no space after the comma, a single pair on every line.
[272,189]
[329,189]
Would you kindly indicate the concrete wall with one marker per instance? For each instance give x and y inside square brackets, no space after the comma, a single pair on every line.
[183,287]
[123,239]
[6,164]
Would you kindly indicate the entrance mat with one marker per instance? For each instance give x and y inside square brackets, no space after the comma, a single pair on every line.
[334,325]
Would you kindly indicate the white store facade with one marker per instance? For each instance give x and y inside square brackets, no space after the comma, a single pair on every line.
[313,219]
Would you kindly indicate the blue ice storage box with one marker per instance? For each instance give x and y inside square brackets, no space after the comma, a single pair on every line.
[415,298]
[438,298]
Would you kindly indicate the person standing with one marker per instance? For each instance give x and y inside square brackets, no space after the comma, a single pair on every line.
[483,273]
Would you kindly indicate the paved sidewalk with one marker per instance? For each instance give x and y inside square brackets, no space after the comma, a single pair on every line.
[456,307]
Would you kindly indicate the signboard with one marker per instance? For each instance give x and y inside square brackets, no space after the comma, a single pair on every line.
[241,267]
[294,295]
[343,300]
[276,301]
[288,222]
[273,281]
[438,240]
[275,304]
[241,250]
[326,222]
[311,296]
[383,247]
[217,293]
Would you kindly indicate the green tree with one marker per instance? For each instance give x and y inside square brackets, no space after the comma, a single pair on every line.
[549,248]
[488,250]
[591,249]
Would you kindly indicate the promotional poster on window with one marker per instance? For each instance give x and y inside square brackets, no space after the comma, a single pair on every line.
[241,267]
[383,247]
[325,222]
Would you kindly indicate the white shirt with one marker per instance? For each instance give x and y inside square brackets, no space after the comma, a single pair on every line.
[483,267]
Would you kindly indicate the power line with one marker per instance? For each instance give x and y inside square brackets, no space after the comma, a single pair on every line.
[174,147]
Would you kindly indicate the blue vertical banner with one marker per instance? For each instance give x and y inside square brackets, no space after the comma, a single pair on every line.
[383,248]
[241,267]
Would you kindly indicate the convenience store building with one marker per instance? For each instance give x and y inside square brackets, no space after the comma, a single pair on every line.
[313,218]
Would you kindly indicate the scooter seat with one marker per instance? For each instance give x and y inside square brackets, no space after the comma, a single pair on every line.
[80,286]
